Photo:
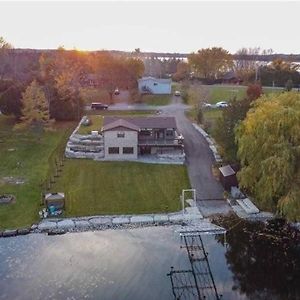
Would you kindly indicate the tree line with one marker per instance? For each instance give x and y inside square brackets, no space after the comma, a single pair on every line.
[54,86]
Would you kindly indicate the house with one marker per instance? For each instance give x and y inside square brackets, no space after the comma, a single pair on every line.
[129,137]
[231,78]
[151,85]
[228,177]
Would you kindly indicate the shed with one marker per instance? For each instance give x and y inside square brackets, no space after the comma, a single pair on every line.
[228,177]
[156,86]
[55,199]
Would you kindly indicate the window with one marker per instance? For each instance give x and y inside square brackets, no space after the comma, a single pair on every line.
[113,150]
[121,134]
[155,83]
[127,150]
[145,133]
[169,133]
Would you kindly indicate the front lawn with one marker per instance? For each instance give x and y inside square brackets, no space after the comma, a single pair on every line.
[156,100]
[94,188]
[225,93]
[26,156]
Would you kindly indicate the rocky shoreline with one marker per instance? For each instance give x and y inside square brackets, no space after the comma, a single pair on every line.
[54,226]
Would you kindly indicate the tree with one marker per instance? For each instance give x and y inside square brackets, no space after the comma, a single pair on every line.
[268,148]
[289,85]
[61,74]
[135,69]
[35,107]
[4,47]
[279,72]
[10,101]
[211,63]
[183,71]
[224,131]
[254,91]
[246,65]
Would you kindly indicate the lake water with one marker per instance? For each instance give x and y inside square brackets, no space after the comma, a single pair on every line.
[134,263]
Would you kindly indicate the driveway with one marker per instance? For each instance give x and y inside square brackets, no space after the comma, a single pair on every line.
[199,161]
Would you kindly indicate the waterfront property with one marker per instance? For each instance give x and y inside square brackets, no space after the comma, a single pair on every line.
[126,138]
[151,85]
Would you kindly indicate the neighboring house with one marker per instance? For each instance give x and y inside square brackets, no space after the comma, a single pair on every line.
[231,77]
[151,85]
[128,137]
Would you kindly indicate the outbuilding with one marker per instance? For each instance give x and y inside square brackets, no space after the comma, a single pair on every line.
[228,177]
[55,199]
[156,86]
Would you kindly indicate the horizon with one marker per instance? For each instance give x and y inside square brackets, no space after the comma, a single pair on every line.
[163,27]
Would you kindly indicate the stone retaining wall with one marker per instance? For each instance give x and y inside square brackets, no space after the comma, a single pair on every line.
[84,146]
[211,142]
[60,225]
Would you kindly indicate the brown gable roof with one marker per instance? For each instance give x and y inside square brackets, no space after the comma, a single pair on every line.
[143,122]
[119,123]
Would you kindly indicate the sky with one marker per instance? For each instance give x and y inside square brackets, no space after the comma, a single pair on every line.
[158,26]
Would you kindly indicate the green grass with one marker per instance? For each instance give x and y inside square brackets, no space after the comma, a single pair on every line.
[225,93]
[24,154]
[121,187]
[97,119]
[96,124]
[271,90]
[156,99]
[210,118]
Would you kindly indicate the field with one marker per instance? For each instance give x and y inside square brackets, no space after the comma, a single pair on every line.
[120,187]
[156,99]
[213,94]
[26,156]
[225,93]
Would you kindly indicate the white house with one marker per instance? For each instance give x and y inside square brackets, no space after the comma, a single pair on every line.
[129,137]
[121,140]
[153,85]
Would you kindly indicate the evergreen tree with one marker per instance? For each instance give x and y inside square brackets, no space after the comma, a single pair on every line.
[35,112]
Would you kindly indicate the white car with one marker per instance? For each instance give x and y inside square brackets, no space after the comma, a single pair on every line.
[221,104]
[207,105]
[177,93]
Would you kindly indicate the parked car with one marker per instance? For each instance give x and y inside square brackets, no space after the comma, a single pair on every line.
[207,105]
[177,93]
[117,92]
[99,105]
[221,104]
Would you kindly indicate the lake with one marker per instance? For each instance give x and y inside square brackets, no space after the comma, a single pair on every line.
[134,263]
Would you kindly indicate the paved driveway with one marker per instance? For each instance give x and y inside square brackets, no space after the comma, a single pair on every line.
[199,162]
